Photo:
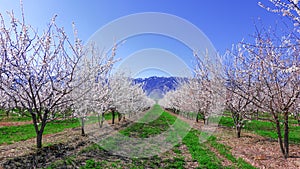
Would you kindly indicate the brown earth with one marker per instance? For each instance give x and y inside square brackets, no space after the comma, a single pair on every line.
[259,151]
[14,123]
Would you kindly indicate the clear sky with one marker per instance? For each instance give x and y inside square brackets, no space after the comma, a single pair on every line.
[224,22]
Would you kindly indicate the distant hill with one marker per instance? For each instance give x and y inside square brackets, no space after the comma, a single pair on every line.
[156,87]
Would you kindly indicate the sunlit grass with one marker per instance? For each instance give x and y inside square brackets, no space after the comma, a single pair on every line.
[265,128]
[11,134]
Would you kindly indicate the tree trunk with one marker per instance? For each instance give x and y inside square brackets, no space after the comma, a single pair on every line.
[113,117]
[119,117]
[39,132]
[39,139]
[99,120]
[197,118]
[238,131]
[102,119]
[279,136]
[82,127]
[36,127]
[286,135]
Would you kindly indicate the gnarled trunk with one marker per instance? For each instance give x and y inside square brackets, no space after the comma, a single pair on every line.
[39,140]
[113,117]
[238,131]
[82,127]
[119,117]
[39,131]
[286,135]
[279,136]
[197,116]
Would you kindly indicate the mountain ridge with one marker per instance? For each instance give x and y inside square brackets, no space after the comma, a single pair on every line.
[155,87]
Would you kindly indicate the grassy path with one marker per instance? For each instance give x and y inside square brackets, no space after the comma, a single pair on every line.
[266,128]
[11,134]
[220,151]
[186,154]
[158,121]
[255,147]
[210,154]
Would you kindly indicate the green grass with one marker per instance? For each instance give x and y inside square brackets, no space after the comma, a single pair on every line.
[191,115]
[110,161]
[154,162]
[91,164]
[108,116]
[155,122]
[208,159]
[265,128]
[14,116]
[11,134]
[92,147]
[177,161]
[160,122]
[152,114]
[200,152]
[15,119]
[69,161]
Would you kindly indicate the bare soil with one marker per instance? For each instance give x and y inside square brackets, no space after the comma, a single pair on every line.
[14,123]
[259,151]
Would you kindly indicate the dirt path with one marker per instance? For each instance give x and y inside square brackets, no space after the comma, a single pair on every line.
[25,147]
[19,123]
[259,151]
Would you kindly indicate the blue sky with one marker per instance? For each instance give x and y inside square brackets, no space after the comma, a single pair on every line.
[223,22]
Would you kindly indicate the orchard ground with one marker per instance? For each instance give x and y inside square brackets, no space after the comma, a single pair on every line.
[64,147]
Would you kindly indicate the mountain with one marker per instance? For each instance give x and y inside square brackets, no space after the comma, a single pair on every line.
[155,87]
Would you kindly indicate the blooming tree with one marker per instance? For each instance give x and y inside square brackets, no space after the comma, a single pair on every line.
[37,69]
[193,99]
[5,103]
[170,101]
[210,91]
[288,8]
[91,80]
[238,79]
[296,111]
[182,100]
[125,97]
[269,77]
